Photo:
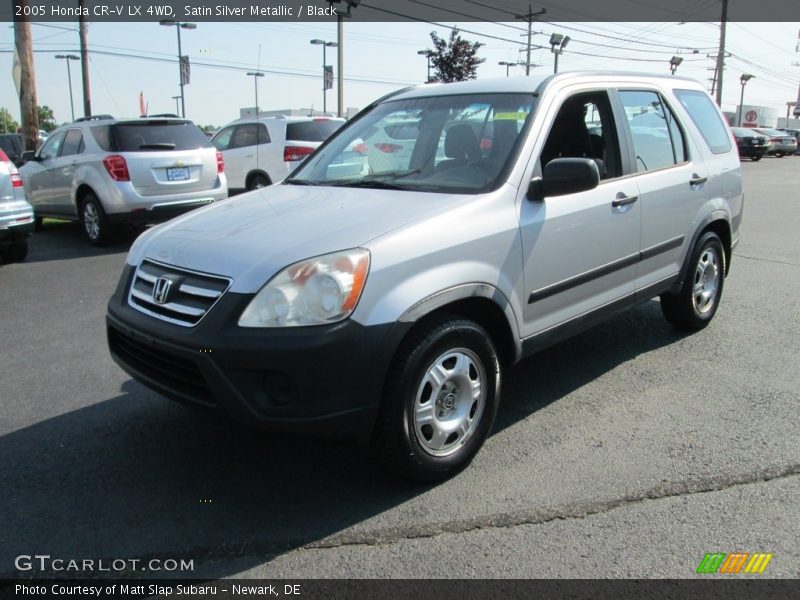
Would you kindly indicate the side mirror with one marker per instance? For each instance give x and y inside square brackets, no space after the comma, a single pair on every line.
[29,155]
[565,176]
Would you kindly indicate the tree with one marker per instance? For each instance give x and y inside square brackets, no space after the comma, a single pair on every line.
[454,59]
[47,120]
[7,122]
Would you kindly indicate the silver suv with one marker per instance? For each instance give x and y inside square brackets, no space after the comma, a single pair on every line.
[388,305]
[103,172]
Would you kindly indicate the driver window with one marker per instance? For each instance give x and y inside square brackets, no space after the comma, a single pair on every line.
[584,128]
[52,146]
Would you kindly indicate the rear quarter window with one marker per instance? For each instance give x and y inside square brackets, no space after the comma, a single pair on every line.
[157,136]
[311,131]
[704,113]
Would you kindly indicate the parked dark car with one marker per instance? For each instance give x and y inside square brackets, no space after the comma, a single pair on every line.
[11,144]
[750,144]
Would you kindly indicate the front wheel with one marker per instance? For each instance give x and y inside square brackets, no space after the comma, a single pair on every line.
[16,251]
[756,158]
[440,401]
[695,304]
[95,222]
[257,182]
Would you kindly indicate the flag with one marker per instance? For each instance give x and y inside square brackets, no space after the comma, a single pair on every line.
[328,79]
[142,107]
[16,72]
[186,71]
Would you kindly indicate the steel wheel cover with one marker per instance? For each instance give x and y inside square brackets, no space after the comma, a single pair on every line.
[449,402]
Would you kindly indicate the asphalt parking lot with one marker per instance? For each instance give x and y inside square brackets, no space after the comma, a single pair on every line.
[628,451]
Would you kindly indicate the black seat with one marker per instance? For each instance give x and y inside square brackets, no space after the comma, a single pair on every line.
[569,137]
[460,147]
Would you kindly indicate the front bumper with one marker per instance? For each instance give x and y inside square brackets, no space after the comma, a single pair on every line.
[322,379]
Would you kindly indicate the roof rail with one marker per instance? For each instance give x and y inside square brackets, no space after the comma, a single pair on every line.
[161,116]
[94,118]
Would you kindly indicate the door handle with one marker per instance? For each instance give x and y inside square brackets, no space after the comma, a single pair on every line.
[622,200]
[697,180]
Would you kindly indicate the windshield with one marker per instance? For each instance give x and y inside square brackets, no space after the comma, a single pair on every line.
[449,144]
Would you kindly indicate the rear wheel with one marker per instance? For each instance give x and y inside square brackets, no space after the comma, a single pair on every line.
[695,304]
[441,400]
[756,158]
[257,181]
[779,154]
[95,222]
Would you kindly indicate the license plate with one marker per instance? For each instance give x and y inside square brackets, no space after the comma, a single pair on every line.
[177,173]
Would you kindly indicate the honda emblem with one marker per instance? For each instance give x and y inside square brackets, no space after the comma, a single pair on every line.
[161,290]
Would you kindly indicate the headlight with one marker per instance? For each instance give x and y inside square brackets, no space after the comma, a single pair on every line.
[316,291]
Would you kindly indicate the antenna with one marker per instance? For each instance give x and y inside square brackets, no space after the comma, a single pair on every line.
[258,123]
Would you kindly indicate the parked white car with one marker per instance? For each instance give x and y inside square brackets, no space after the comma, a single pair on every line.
[263,151]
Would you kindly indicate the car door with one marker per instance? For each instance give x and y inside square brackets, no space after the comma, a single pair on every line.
[233,171]
[242,152]
[672,181]
[38,177]
[63,170]
[580,250]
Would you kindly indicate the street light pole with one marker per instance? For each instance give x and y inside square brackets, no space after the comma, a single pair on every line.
[255,75]
[178,26]
[325,45]
[177,108]
[743,80]
[69,57]
[508,65]
[557,44]
[427,55]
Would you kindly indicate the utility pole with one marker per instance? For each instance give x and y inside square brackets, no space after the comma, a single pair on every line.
[529,17]
[27,88]
[721,53]
[83,30]
[340,63]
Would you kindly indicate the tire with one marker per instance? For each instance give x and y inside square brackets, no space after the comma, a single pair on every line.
[756,158]
[94,221]
[16,251]
[695,305]
[779,154]
[257,181]
[38,223]
[440,400]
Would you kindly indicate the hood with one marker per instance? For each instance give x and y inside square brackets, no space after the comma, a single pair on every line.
[251,237]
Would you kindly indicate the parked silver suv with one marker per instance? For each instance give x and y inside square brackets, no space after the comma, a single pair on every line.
[104,172]
[387,305]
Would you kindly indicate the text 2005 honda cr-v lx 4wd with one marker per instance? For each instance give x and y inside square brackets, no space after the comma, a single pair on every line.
[386,305]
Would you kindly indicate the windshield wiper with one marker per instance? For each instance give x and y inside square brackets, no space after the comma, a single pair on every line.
[368,183]
[294,181]
[377,180]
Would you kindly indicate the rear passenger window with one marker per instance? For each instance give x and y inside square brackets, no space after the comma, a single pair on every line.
[705,115]
[657,138]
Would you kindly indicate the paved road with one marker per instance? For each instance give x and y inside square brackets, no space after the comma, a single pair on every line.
[630,450]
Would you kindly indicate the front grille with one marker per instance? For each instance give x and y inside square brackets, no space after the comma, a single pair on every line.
[190,295]
[173,372]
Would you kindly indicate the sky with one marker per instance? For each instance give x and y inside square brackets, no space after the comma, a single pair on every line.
[132,58]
